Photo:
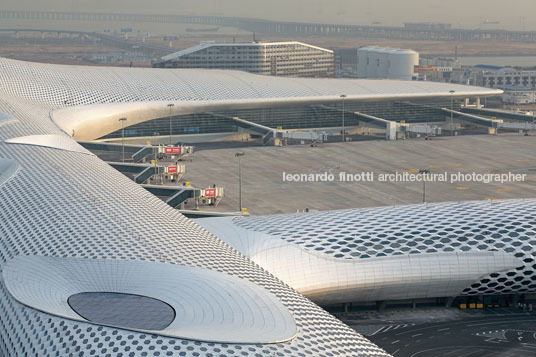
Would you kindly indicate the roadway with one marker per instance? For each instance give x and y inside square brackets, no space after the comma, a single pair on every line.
[508,333]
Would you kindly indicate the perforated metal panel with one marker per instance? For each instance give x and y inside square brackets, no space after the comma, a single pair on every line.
[361,234]
[64,203]
[66,86]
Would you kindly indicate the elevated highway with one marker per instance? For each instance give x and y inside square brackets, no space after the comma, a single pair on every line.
[278,27]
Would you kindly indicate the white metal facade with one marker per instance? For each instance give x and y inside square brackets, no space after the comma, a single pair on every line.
[390,253]
[61,202]
[57,200]
[88,100]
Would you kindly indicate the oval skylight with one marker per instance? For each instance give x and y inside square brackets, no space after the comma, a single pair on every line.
[122,310]
[166,299]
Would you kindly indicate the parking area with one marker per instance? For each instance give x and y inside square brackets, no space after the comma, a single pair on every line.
[265,191]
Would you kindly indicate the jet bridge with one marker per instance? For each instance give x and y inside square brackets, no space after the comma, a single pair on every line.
[493,124]
[394,130]
[174,195]
[136,153]
[267,132]
[277,135]
[138,172]
[501,114]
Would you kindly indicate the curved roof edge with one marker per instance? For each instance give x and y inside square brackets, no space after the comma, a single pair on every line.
[93,121]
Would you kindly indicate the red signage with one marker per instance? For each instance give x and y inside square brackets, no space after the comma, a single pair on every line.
[210,192]
[172,169]
[173,150]
[424,69]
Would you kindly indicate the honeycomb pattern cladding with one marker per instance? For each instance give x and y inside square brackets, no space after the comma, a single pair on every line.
[65,86]
[69,204]
[508,225]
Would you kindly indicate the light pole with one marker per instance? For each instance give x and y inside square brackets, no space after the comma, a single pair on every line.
[239,155]
[451,109]
[342,97]
[123,120]
[155,134]
[424,172]
[170,128]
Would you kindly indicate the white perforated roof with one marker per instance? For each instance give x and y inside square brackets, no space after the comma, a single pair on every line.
[57,201]
[65,86]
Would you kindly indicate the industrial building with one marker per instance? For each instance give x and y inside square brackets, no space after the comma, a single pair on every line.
[501,77]
[441,62]
[345,62]
[293,59]
[386,63]
[519,95]
[438,69]
[519,85]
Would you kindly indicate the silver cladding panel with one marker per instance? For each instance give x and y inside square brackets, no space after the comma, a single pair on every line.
[8,169]
[60,142]
[328,280]
[69,204]
[67,86]
[365,234]
[209,305]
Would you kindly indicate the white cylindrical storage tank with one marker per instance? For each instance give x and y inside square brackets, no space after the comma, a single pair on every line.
[384,64]
[372,63]
[362,55]
[403,64]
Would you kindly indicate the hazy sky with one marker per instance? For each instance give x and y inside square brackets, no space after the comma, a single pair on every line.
[513,14]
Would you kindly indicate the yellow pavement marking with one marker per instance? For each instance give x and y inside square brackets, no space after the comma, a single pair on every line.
[457,165]
[504,189]
[522,160]
[491,198]
[435,166]
[413,171]
[462,188]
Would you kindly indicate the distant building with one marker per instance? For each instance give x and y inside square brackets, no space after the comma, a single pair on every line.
[386,63]
[519,86]
[292,59]
[519,95]
[346,62]
[441,62]
[443,68]
[503,77]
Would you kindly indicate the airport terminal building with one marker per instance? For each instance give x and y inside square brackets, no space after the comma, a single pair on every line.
[195,104]
[79,240]
[93,264]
